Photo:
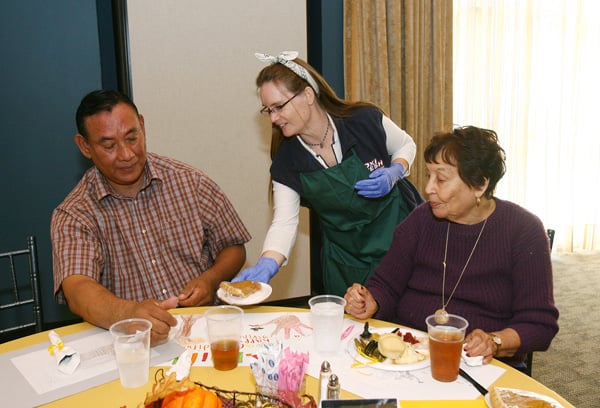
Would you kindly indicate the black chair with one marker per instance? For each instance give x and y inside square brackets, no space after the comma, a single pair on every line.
[529,362]
[20,299]
[550,233]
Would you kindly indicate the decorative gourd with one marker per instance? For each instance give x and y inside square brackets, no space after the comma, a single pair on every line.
[170,393]
[194,398]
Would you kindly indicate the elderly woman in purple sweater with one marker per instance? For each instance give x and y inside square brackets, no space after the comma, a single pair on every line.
[468,253]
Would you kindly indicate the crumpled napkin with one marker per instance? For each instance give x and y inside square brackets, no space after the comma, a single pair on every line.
[472,361]
[67,358]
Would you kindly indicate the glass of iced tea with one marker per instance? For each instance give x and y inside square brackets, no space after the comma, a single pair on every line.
[445,346]
[224,325]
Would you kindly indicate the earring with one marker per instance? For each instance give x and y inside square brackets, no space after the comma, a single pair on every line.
[478,201]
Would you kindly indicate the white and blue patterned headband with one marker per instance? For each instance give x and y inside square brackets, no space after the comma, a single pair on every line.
[285,58]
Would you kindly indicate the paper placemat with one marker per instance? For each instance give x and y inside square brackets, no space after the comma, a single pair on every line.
[30,376]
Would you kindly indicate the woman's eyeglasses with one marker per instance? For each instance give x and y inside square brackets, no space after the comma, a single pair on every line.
[276,109]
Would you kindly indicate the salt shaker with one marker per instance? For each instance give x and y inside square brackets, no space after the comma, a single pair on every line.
[324,379]
[333,388]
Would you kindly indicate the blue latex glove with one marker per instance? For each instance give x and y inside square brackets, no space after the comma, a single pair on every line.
[380,181]
[263,271]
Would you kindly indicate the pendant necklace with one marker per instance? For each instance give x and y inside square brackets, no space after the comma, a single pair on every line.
[324,137]
[441,316]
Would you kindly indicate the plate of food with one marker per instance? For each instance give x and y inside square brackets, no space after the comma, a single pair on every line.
[390,348]
[243,293]
[500,397]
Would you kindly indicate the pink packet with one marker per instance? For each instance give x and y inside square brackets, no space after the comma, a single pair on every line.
[292,368]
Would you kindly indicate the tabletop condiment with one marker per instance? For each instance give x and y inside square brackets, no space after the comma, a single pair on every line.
[324,379]
[333,388]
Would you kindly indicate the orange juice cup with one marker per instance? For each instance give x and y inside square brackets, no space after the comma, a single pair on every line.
[224,324]
[445,346]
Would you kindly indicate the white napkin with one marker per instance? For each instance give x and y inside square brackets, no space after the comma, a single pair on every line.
[67,358]
[182,366]
[472,361]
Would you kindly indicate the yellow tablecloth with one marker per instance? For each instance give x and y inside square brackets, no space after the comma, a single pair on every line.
[112,394]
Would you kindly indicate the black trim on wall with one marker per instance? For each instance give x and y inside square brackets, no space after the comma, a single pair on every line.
[107,42]
[313,33]
[325,38]
[121,36]
[113,36]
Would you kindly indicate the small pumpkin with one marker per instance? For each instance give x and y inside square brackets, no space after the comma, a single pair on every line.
[170,393]
[211,400]
[194,398]
[174,400]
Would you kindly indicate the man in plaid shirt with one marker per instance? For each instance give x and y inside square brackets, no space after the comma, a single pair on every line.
[140,233]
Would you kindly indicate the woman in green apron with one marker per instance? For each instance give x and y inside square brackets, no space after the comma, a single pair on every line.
[346,161]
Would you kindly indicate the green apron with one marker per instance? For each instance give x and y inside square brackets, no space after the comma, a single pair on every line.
[357,231]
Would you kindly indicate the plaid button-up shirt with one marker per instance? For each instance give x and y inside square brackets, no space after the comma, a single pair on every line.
[136,247]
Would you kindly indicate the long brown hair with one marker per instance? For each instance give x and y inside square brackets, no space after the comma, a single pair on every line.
[326,97]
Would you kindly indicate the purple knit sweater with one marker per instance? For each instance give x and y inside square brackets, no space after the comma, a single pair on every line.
[508,282]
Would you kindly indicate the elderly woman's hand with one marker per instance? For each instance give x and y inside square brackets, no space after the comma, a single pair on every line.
[480,343]
[359,302]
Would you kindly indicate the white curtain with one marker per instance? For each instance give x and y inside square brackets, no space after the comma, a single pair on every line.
[530,70]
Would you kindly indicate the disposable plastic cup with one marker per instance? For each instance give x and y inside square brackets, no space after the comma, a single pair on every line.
[224,324]
[445,346]
[327,319]
[131,339]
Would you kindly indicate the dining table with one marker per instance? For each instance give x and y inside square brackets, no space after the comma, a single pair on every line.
[31,378]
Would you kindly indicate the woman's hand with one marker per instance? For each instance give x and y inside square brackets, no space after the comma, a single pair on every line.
[359,302]
[263,271]
[479,343]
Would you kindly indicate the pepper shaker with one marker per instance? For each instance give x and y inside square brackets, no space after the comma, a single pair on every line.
[333,388]
[324,379]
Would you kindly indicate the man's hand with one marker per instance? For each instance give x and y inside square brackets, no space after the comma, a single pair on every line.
[203,289]
[197,292]
[157,313]
[99,306]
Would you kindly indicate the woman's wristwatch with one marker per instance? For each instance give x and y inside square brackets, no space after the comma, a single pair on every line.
[497,341]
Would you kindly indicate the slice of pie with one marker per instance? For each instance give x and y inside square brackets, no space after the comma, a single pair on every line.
[240,289]
[506,398]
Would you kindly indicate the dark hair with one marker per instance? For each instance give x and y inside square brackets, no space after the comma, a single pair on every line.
[326,96]
[474,151]
[97,101]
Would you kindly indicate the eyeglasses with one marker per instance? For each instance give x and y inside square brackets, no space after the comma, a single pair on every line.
[276,109]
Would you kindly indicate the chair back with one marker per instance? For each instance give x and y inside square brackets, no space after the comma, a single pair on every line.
[20,299]
[529,361]
[550,233]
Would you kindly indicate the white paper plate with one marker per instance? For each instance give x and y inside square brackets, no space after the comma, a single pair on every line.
[387,364]
[253,299]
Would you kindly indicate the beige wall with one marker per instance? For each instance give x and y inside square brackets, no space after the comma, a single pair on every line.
[193,71]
